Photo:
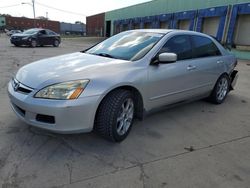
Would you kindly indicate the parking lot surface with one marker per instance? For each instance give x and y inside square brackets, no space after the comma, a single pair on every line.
[193,145]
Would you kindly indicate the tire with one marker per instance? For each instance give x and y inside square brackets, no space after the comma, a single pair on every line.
[16,45]
[220,90]
[115,115]
[56,43]
[33,43]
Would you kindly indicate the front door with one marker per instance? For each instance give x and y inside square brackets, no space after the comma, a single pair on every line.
[42,38]
[173,82]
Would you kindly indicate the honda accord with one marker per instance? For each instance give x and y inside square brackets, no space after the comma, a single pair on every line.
[107,86]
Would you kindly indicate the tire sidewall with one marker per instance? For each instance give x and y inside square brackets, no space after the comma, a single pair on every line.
[217,87]
[56,43]
[31,44]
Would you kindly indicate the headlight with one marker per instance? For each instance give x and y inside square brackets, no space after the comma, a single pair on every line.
[66,90]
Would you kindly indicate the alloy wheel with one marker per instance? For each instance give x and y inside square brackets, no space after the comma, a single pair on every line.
[125,117]
[222,89]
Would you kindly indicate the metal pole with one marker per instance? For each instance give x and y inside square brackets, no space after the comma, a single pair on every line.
[47,19]
[34,12]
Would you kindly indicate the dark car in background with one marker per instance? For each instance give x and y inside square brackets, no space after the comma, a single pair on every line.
[36,37]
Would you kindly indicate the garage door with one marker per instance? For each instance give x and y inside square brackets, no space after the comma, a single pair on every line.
[125,27]
[242,30]
[184,24]
[210,25]
[136,26]
[164,25]
[147,26]
[117,29]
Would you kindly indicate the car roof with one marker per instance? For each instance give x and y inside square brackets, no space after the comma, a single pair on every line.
[166,31]
[162,31]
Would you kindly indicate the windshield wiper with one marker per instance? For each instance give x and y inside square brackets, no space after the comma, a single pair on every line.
[104,55]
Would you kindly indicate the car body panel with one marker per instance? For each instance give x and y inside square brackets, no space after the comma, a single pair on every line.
[81,111]
[159,85]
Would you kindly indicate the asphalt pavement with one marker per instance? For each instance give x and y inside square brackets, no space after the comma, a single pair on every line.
[196,145]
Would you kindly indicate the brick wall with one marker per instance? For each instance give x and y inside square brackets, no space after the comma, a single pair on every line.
[95,25]
[26,23]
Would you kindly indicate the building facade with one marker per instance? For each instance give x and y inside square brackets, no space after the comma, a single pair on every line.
[75,29]
[95,25]
[227,20]
[23,23]
[2,21]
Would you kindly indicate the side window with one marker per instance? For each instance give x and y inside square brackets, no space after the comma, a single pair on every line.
[42,32]
[204,47]
[179,45]
[50,32]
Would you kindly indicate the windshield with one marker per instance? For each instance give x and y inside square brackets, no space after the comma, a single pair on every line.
[30,31]
[131,45]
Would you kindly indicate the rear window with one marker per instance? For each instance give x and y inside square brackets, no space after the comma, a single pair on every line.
[204,47]
[51,32]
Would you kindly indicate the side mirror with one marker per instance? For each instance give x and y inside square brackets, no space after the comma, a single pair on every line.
[164,58]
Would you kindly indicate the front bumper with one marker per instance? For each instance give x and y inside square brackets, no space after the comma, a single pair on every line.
[20,41]
[60,116]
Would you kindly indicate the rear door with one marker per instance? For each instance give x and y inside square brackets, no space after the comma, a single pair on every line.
[51,37]
[207,60]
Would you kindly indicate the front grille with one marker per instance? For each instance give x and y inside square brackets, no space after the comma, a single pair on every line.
[19,87]
[23,90]
[16,38]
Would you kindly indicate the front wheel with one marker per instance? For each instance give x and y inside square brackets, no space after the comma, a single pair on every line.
[56,43]
[33,43]
[220,90]
[115,115]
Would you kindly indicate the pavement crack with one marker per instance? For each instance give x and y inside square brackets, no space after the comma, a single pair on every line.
[70,169]
[63,140]
[68,145]
[4,155]
[143,176]
[38,149]
[198,149]
[97,157]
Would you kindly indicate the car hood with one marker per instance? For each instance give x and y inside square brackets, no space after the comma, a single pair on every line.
[21,35]
[66,67]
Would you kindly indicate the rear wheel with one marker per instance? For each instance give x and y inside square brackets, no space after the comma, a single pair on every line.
[220,90]
[33,43]
[115,115]
[56,43]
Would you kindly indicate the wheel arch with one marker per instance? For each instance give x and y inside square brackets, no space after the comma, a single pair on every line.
[224,73]
[139,112]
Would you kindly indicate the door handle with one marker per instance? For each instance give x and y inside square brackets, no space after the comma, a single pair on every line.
[191,67]
[220,61]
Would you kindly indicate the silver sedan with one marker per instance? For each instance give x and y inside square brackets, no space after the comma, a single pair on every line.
[107,86]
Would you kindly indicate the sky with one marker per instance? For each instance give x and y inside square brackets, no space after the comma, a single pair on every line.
[80,8]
